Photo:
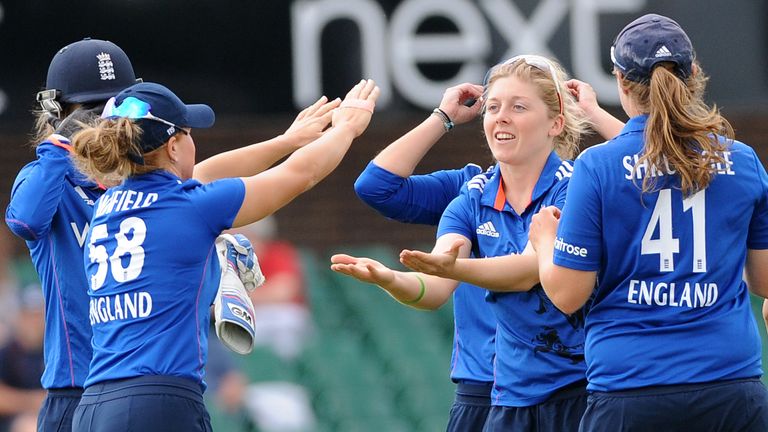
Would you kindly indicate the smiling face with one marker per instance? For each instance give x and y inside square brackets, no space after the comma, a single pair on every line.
[517,122]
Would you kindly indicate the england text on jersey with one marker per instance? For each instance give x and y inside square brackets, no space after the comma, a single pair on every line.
[672,294]
[124,306]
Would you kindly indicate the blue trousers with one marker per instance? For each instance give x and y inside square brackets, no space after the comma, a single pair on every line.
[58,409]
[470,407]
[560,413]
[143,404]
[724,406]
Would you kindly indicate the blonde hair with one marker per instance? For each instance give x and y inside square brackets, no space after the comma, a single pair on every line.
[682,130]
[103,152]
[575,122]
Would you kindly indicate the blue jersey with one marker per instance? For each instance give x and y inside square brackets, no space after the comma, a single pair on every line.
[51,205]
[538,349]
[153,274]
[422,199]
[670,306]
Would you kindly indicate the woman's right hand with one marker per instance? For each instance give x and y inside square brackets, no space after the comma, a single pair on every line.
[437,264]
[455,99]
[357,107]
[363,269]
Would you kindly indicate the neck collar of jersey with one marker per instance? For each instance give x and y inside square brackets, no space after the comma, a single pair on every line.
[635,124]
[493,193]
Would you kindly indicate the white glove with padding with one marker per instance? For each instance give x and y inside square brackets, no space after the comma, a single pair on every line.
[232,308]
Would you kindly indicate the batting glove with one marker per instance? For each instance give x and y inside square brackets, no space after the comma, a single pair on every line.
[233,313]
[236,251]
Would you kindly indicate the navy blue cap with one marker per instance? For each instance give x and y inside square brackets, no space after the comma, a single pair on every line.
[90,70]
[649,40]
[164,105]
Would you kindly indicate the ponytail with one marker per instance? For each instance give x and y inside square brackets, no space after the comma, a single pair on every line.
[104,152]
[682,132]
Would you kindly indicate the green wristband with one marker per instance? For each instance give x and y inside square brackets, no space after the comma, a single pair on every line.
[422,291]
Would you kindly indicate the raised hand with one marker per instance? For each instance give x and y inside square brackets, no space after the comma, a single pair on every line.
[356,109]
[584,94]
[455,99]
[362,269]
[312,121]
[437,264]
[601,121]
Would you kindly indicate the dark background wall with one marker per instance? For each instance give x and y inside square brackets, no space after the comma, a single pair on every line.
[239,56]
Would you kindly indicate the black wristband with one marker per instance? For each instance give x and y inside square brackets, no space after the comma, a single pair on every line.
[447,122]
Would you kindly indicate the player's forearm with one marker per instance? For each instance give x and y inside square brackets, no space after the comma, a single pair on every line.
[568,289]
[35,198]
[319,158]
[511,273]
[402,156]
[245,161]
[419,290]
[605,124]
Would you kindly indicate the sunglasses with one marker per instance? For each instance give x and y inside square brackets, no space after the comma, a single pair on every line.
[539,62]
[136,109]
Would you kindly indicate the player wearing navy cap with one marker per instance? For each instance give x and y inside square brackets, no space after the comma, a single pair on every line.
[539,366]
[151,260]
[51,203]
[50,208]
[665,218]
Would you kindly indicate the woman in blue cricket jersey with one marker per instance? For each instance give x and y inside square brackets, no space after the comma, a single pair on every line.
[387,185]
[51,204]
[151,244]
[539,368]
[666,219]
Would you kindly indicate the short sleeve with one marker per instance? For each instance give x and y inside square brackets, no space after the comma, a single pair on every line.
[218,202]
[457,218]
[757,238]
[578,244]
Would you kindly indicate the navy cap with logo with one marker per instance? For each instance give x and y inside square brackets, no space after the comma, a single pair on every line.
[90,70]
[649,40]
[159,112]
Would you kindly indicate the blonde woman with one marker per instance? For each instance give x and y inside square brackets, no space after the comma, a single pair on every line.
[531,123]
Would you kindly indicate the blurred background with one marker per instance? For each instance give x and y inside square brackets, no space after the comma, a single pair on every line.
[357,360]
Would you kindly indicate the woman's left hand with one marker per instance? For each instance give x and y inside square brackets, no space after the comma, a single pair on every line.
[544,226]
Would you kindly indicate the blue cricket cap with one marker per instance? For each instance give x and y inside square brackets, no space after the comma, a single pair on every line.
[159,112]
[649,40]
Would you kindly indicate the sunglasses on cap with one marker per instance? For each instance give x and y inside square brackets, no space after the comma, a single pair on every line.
[539,62]
[136,109]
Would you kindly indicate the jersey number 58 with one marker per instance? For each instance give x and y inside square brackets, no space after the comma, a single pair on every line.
[125,246]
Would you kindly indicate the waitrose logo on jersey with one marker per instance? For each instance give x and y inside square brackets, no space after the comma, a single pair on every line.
[569,248]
